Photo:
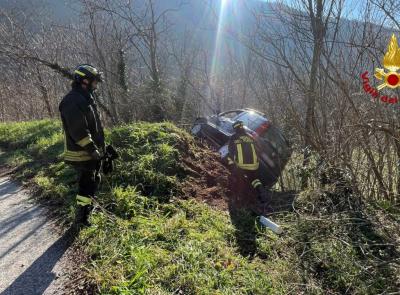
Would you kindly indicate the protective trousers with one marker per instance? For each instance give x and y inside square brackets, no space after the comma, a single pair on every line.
[88,181]
[89,177]
[253,178]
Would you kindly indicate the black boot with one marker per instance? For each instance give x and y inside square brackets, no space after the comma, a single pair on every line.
[82,215]
[79,217]
[263,195]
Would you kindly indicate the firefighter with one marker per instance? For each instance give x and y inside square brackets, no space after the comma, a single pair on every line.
[242,154]
[84,143]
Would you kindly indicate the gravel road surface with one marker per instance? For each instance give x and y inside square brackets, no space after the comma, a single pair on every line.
[33,250]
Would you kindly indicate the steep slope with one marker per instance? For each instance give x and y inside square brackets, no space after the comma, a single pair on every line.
[151,232]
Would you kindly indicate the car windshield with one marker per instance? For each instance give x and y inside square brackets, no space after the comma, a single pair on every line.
[230,114]
[251,120]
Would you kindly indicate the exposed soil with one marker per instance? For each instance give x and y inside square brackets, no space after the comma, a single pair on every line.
[207,178]
[210,181]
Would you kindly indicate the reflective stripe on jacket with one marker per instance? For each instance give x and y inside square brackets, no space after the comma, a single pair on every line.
[243,152]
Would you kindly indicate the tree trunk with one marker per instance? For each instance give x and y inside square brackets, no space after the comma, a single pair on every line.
[45,93]
[318,33]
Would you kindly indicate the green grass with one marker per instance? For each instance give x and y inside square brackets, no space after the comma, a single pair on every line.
[145,239]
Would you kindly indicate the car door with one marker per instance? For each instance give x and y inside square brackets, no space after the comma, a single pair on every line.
[266,151]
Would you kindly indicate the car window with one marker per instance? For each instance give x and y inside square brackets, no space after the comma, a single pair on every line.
[213,119]
[251,120]
[225,124]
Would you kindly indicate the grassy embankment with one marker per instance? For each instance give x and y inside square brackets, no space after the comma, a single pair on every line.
[150,240]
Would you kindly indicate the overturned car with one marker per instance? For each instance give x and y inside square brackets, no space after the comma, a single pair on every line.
[272,147]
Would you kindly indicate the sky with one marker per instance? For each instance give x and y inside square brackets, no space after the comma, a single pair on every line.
[352,8]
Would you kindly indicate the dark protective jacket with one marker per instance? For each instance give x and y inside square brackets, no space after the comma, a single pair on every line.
[243,152]
[83,130]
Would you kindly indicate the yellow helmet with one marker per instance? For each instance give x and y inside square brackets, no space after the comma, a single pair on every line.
[86,71]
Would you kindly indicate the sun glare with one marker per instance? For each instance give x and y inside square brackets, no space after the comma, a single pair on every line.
[217,55]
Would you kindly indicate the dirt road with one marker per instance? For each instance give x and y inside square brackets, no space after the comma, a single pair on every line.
[33,251]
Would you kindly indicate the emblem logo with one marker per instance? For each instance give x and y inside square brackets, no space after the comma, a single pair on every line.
[391,61]
[390,77]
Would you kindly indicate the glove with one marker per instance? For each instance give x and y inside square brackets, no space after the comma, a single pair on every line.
[93,151]
[96,155]
[111,152]
[227,161]
[108,164]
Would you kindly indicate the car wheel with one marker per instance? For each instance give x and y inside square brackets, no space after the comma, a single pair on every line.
[197,127]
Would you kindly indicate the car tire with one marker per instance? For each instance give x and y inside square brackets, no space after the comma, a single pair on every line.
[196,130]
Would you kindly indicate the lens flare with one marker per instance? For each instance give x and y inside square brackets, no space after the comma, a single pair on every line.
[217,56]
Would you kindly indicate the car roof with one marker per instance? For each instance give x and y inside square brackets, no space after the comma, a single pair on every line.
[255,111]
[245,110]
